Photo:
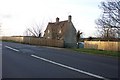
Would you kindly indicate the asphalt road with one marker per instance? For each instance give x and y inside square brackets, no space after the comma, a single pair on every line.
[28,61]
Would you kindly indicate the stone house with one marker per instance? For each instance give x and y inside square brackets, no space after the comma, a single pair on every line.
[62,30]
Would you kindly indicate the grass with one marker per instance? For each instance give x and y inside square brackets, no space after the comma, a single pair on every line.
[9,41]
[90,51]
[98,52]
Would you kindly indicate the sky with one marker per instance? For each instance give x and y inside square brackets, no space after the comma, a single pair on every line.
[17,15]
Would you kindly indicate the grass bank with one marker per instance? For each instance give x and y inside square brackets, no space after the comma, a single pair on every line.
[98,52]
[88,51]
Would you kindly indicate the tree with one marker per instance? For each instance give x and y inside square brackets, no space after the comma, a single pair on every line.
[35,30]
[90,38]
[78,36]
[109,22]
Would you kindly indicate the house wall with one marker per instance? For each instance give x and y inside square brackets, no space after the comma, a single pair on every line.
[68,32]
[70,36]
[47,33]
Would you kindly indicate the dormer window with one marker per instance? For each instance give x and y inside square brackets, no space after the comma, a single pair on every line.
[48,37]
[48,31]
[59,31]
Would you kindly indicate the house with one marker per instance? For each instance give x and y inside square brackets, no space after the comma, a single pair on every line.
[62,30]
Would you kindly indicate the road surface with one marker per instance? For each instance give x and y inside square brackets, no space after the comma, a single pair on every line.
[28,61]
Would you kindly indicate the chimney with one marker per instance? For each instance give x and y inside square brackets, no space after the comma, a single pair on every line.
[69,18]
[57,20]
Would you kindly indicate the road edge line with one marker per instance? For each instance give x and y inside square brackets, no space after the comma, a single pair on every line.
[12,48]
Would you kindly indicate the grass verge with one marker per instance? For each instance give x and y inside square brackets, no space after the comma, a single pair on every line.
[98,52]
[88,51]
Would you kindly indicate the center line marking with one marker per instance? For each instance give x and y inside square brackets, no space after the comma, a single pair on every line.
[68,67]
[12,48]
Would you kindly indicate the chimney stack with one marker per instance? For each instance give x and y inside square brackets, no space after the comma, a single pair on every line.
[69,18]
[57,20]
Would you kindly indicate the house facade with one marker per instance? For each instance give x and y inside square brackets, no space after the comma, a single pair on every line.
[62,30]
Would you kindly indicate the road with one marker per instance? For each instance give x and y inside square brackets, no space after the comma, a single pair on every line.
[28,61]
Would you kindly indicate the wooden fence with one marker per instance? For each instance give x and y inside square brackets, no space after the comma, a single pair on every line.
[103,45]
[36,41]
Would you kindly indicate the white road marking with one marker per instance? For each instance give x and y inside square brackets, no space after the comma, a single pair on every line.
[12,48]
[68,67]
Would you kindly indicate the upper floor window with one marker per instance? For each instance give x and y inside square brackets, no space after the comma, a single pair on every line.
[59,31]
[48,31]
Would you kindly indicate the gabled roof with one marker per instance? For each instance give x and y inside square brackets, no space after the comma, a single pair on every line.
[56,26]
[59,25]
[59,29]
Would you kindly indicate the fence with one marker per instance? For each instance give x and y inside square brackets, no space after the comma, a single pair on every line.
[36,41]
[103,45]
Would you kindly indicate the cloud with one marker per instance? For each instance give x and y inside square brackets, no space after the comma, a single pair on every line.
[17,14]
[6,16]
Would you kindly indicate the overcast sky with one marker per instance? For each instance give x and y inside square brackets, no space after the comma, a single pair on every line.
[17,15]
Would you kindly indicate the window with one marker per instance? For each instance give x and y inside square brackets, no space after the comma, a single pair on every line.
[48,31]
[59,31]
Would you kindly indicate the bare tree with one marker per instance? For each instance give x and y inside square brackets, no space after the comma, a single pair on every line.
[35,30]
[109,22]
[78,36]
